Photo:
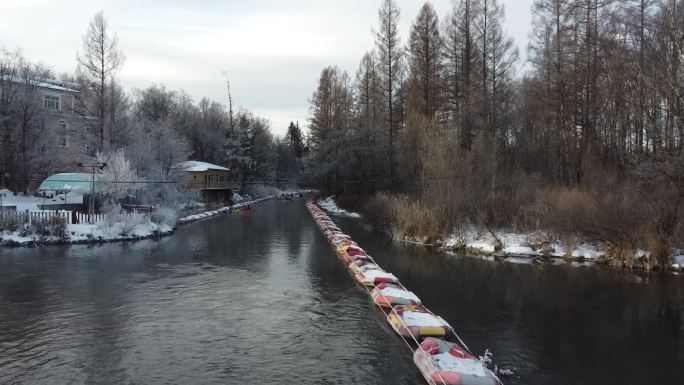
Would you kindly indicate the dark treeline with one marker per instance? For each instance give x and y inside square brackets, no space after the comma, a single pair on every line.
[586,138]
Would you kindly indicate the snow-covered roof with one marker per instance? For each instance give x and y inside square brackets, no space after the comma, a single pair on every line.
[56,88]
[197,166]
[49,84]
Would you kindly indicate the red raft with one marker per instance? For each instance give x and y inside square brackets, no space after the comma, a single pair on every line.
[447,363]
[351,253]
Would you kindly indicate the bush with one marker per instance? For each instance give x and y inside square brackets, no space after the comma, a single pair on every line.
[9,223]
[54,226]
[411,218]
[165,216]
[116,220]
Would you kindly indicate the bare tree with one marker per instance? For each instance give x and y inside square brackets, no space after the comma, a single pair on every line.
[25,140]
[425,62]
[461,59]
[97,63]
[390,56]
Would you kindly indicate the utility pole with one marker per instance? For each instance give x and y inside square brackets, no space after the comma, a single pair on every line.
[91,204]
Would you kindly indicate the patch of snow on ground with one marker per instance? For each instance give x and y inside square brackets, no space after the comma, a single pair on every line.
[586,251]
[678,261]
[559,251]
[237,197]
[329,205]
[516,244]
[519,250]
[31,203]
[78,233]
[478,242]
[481,246]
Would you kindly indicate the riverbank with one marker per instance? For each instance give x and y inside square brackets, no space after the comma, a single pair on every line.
[530,247]
[132,228]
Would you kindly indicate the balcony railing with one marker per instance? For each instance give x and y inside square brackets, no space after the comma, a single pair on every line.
[215,185]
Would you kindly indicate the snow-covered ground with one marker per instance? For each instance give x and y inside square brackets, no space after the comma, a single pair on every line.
[83,233]
[209,214]
[31,203]
[137,228]
[329,205]
[521,248]
[529,248]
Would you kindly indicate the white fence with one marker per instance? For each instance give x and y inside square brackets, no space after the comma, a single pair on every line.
[70,217]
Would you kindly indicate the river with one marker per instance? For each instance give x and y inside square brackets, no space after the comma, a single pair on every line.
[261,298]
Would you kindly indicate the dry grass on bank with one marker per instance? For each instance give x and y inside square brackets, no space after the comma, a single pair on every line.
[642,213]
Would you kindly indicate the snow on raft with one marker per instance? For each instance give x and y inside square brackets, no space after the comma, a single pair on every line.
[351,253]
[417,322]
[371,277]
[387,295]
[367,273]
[447,363]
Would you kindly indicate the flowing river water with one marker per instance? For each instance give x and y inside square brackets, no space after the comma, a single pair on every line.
[262,299]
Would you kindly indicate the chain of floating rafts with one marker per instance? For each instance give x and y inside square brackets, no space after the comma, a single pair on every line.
[428,336]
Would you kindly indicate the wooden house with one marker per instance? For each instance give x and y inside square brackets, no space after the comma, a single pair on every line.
[212,181]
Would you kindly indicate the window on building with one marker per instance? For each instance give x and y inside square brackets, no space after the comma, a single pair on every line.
[63,133]
[51,102]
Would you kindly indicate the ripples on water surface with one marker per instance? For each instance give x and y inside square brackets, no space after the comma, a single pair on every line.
[262,299]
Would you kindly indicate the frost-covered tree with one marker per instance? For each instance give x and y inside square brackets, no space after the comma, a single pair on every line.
[119,175]
[155,155]
[254,154]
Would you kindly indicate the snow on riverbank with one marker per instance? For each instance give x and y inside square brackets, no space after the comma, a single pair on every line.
[141,227]
[213,213]
[89,233]
[678,262]
[533,247]
[522,248]
[329,205]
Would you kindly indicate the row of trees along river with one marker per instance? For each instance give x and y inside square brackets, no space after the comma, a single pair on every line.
[585,137]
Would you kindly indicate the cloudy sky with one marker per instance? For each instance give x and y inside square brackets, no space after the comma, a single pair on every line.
[273,49]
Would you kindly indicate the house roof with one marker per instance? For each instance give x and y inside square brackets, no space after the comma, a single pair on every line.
[197,166]
[48,84]
[80,182]
[56,87]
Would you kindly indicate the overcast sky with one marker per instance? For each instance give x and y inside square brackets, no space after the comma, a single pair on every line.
[273,50]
